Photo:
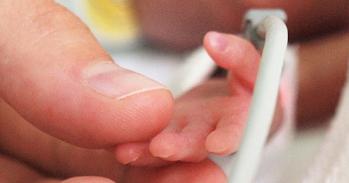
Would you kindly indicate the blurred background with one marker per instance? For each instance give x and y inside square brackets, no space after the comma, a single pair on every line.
[117,28]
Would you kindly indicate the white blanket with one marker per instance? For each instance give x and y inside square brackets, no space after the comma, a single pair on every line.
[331,164]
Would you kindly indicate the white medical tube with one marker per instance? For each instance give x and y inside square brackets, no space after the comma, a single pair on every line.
[263,102]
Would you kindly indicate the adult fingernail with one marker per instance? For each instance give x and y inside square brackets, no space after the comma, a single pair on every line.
[110,80]
[218,41]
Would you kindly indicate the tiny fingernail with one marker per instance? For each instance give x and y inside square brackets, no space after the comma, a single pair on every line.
[110,80]
[131,160]
[163,152]
[164,155]
[218,41]
[214,146]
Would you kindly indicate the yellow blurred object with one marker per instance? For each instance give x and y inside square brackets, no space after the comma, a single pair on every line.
[112,21]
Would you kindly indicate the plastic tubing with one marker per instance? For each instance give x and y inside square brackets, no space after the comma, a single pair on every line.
[264,100]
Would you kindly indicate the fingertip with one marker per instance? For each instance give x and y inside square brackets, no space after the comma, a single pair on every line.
[148,113]
[163,146]
[138,155]
[223,46]
[225,139]
[128,153]
[225,49]
[100,122]
[234,54]
[218,143]
[214,145]
[218,42]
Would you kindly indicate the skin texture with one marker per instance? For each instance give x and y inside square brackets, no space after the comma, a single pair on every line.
[56,101]
[44,61]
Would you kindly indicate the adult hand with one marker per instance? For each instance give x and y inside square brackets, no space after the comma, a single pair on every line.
[34,156]
[55,76]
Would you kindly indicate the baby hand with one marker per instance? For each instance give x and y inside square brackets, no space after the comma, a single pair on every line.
[211,117]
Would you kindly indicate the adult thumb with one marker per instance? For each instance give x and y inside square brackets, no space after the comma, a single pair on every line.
[55,74]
